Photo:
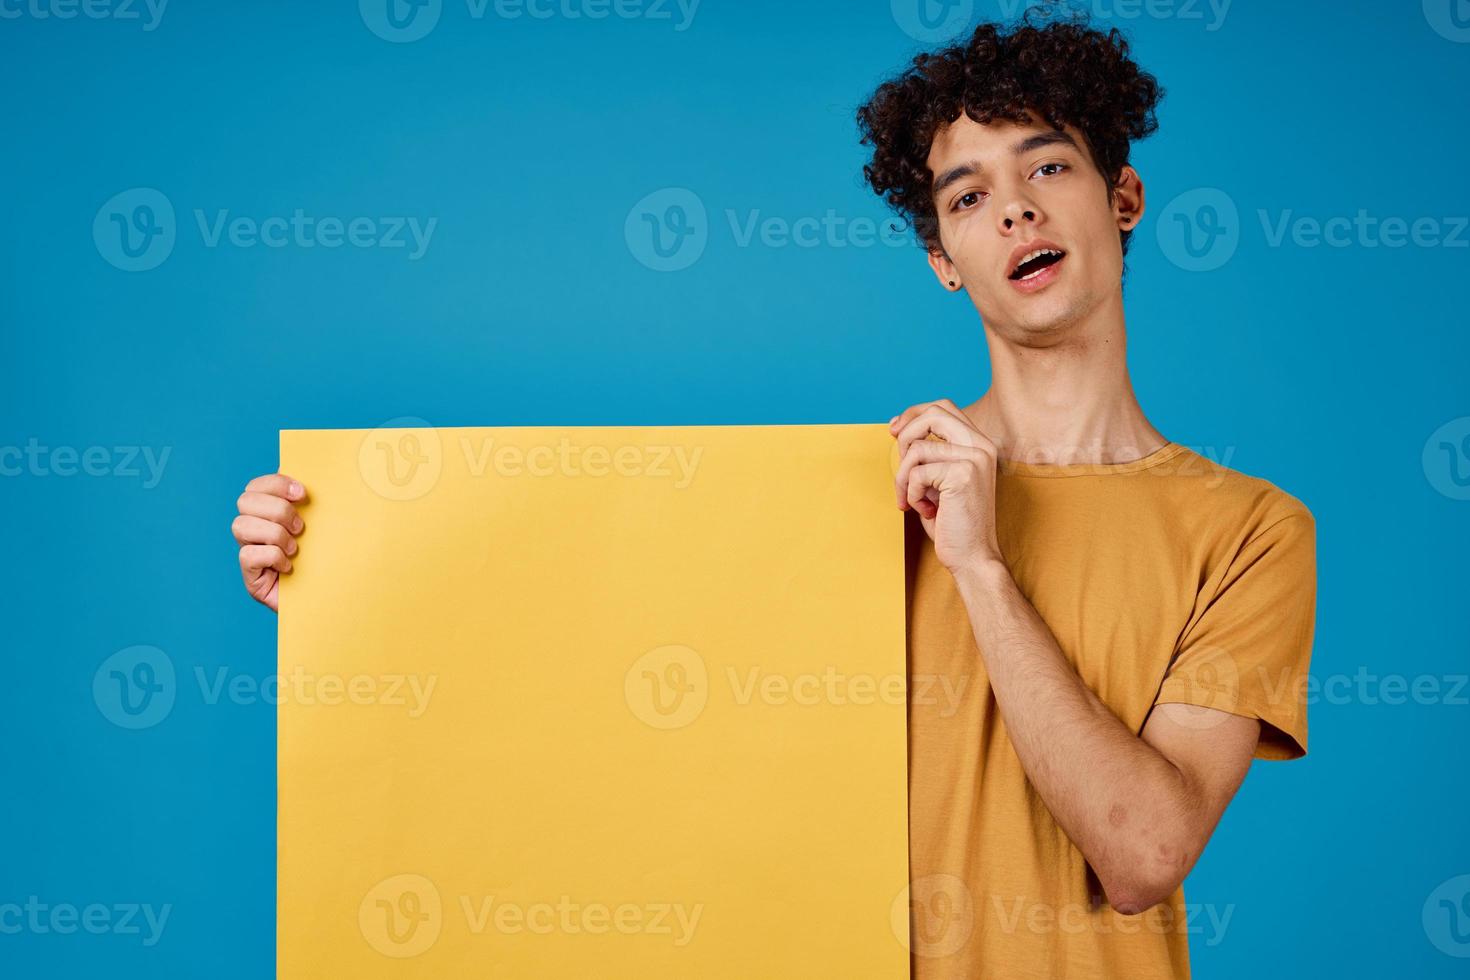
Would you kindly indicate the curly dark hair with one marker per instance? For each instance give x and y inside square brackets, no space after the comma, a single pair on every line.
[1056,68]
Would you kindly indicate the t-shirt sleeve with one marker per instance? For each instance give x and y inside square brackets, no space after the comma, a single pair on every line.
[1249,651]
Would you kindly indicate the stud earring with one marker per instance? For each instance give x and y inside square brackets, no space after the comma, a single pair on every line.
[951,282]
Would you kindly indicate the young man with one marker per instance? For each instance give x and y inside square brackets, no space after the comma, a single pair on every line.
[1127,622]
[1130,623]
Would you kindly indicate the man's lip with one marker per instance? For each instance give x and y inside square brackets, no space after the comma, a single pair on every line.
[1042,279]
[1021,251]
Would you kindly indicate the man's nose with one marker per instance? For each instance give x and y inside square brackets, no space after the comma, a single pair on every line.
[1017,213]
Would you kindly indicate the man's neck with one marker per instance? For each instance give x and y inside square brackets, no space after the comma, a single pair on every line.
[1067,402]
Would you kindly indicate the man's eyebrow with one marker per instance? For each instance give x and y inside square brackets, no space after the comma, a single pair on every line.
[1049,138]
[969,169]
[953,174]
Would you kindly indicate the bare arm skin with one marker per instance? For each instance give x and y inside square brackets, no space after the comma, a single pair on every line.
[1140,807]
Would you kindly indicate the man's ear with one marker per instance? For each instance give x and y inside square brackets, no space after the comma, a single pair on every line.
[949,276]
[1128,199]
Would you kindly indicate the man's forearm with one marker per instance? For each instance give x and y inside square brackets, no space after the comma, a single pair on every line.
[1129,810]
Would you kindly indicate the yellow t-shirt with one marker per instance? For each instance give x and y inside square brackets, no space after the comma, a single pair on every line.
[1167,579]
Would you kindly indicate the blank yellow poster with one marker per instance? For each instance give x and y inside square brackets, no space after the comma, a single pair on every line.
[593,702]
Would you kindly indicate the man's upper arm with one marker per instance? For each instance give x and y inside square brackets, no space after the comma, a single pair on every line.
[1212,750]
[1249,652]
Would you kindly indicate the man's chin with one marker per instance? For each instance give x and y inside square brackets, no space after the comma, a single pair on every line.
[1041,321]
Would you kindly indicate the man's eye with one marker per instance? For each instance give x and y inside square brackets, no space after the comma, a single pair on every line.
[1050,169]
[967,201]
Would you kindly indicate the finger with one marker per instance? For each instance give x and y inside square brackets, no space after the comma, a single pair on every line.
[255,557]
[271,508]
[277,485]
[936,421]
[902,418]
[907,415]
[923,479]
[258,530]
[949,406]
[924,451]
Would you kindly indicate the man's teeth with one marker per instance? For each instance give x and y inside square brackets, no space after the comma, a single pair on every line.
[1036,255]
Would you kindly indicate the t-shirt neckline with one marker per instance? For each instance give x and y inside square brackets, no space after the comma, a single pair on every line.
[1166,452]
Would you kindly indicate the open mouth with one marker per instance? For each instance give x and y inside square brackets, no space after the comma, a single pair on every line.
[1034,263]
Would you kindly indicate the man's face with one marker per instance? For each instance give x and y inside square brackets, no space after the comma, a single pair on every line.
[1005,191]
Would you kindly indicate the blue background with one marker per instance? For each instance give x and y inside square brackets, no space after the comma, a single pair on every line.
[1324,369]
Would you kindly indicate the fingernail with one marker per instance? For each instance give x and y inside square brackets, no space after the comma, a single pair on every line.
[297,489]
[297,526]
[892,420]
[291,547]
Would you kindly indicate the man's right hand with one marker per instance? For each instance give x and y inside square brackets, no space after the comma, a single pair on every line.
[266,531]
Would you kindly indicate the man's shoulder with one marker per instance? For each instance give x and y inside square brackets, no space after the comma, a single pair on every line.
[1205,480]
